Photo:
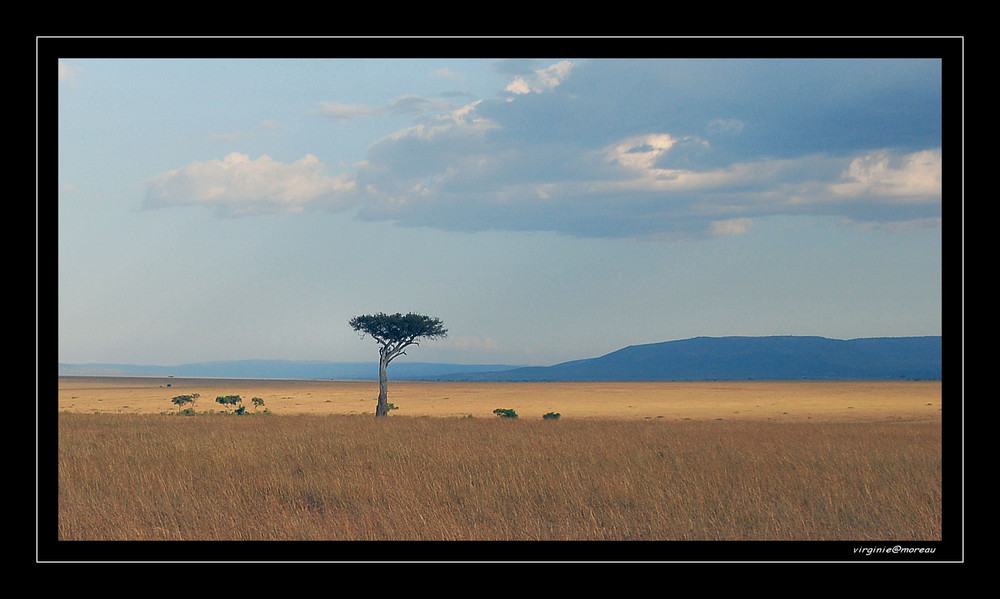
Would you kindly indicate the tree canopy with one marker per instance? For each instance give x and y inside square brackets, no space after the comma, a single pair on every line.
[398,330]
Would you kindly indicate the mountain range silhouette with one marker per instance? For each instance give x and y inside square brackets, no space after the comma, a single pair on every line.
[695,359]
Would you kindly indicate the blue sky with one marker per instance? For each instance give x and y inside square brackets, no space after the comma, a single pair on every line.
[545,209]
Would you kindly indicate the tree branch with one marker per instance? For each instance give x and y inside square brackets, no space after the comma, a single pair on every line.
[397,350]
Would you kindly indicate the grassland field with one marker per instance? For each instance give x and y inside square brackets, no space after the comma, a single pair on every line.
[729,461]
[828,401]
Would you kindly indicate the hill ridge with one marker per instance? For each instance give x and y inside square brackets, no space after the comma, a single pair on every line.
[775,357]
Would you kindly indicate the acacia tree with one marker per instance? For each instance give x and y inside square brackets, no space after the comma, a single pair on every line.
[182,400]
[394,333]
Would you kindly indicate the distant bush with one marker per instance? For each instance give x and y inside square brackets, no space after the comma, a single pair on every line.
[505,413]
[182,400]
[239,408]
[551,416]
[232,400]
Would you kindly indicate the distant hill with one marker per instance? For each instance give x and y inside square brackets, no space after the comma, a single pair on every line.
[282,369]
[745,358]
[697,359]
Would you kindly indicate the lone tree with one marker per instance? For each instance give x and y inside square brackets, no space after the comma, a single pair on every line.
[394,333]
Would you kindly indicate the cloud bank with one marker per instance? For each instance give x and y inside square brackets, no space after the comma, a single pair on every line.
[237,185]
[623,148]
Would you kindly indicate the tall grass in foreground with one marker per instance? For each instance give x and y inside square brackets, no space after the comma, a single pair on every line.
[357,478]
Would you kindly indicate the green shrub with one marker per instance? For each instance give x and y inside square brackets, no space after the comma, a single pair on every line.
[182,400]
[232,400]
[551,416]
[505,413]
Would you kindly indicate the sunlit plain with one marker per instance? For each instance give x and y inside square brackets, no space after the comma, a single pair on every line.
[637,461]
[850,401]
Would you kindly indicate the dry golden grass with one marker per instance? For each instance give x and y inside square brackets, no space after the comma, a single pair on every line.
[855,462]
[850,401]
[157,477]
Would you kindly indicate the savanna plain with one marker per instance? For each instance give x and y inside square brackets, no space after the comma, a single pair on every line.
[707,461]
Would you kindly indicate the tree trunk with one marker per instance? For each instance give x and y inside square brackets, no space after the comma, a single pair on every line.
[382,409]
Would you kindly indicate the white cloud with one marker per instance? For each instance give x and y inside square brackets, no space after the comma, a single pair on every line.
[463,121]
[237,185]
[640,152]
[621,155]
[913,177]
[448,173]
[542,80]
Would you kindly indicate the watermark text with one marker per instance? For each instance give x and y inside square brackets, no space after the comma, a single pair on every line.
[892,550]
